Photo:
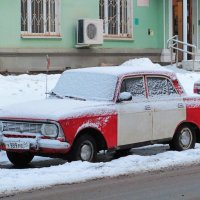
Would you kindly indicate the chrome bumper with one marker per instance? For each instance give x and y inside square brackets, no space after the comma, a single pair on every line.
[36,143]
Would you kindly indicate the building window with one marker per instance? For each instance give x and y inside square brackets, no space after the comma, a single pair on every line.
[117,15]
[40,17]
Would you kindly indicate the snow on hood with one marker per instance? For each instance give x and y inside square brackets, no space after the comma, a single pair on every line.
[56,109]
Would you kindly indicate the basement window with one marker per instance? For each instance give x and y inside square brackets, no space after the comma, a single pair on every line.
[117,15]
[40,18]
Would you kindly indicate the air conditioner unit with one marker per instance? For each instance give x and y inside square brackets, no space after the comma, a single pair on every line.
[89,32]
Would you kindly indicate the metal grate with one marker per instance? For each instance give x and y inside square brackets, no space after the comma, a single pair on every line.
[38,16]
[21,127]
[115,15]
[24,15]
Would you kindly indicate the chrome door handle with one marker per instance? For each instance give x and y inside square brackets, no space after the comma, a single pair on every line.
[180,105]
[147,107]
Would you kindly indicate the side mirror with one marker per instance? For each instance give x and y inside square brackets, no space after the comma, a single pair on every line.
[125,96]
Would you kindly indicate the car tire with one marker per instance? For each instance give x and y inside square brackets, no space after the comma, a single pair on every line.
[84,149]
[20,159]
[184,138]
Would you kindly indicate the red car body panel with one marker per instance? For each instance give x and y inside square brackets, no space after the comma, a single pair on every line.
[193,110]
[105,125]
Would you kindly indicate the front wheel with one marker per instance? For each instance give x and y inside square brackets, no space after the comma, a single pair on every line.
[184,138]
[20,159]
[85,149]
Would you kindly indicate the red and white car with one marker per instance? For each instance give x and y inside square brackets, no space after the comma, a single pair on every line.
[101,108]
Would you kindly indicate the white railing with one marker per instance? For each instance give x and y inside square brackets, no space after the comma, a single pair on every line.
[173,44]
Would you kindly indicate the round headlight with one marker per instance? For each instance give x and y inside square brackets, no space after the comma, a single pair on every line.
[1,126]
[50,130]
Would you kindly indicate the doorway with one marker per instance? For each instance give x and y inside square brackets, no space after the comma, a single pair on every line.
[178,22]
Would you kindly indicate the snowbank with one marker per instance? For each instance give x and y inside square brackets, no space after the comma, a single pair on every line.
[144,63]
[13,180]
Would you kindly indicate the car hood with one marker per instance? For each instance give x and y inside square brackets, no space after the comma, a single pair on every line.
[56,109]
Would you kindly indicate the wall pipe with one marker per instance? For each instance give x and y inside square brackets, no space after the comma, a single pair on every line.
[185,31]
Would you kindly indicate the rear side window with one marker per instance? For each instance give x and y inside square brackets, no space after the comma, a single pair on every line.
[159,86]
[135,86]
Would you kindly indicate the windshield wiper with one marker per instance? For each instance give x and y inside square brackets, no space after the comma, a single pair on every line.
[56,95]
[76,98]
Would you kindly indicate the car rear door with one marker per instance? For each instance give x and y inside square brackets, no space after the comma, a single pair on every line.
[135,116]
[168,107]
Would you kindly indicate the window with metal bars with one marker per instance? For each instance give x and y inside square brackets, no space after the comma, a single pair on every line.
[117,17]
[40,17]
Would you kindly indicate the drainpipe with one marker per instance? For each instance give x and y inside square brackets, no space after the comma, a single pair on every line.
[170,18]
[197,41]
[164,15]
[185,24]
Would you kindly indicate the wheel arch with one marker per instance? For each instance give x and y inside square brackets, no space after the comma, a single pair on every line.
[96,134]
[192,125]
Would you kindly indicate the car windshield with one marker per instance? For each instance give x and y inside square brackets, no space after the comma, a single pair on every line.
[86,86]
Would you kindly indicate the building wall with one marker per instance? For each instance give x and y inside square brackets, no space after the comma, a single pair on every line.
[198,24]
[70,11]
[25,54]
[149,17]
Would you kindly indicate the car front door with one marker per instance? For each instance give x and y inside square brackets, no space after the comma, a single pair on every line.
[135,116]
[167,105]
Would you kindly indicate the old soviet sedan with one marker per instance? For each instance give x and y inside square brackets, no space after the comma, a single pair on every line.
[101,108]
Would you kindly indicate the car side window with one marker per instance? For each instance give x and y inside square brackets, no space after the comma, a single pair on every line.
[135,86]
[159,86]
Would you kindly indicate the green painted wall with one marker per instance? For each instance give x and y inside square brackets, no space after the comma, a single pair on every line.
[9,23]
[166,20]
[149,17]
[71,10]
[198,26]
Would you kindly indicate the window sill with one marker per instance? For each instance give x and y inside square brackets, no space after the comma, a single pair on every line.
[41,36]
[118,38]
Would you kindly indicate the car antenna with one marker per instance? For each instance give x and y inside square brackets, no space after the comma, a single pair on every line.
[47,72]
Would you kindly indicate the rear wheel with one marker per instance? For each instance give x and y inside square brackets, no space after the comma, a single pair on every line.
[20,159]
[183,139]
[85,149]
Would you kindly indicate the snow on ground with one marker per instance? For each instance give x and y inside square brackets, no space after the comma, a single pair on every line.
[13,180]
[187,79]
[23,88]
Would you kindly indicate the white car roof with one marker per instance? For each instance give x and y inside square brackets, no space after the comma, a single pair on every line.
[126,70]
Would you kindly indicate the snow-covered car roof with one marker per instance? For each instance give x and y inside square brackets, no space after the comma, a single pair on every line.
[129,67]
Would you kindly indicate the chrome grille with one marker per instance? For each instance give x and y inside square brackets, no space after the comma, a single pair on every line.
[21,127]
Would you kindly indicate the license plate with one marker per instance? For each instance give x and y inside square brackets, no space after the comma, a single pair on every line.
[17,145]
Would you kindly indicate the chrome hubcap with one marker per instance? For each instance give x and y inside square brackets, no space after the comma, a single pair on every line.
[186,138]
[86,152]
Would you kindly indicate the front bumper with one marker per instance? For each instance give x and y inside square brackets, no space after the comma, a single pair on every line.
[37,144]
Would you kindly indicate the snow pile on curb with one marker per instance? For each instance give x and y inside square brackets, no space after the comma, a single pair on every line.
[13,180]
[144,64]
[140,62]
